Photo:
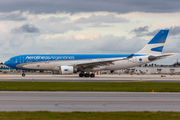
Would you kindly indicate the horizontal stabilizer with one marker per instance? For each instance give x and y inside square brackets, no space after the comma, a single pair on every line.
[152,58]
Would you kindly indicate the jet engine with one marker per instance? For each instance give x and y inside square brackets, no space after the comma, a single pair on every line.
[67,70]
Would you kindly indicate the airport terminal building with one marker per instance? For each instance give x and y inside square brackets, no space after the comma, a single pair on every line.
[5,68]
[152,70]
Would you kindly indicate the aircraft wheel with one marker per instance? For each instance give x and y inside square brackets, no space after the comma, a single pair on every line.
[92,75]
[23,74]
[81,75]
[86,75]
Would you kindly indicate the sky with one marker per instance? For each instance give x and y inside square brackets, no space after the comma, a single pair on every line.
[81,26]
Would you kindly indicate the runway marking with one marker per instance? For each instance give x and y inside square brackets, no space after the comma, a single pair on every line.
[6,79]
[134,81]
[147,93]
[55,93]
[88,101]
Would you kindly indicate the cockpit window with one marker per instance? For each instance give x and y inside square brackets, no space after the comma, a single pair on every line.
[11,59]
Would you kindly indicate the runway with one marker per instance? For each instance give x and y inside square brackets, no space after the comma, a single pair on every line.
[98,78]
[88,101]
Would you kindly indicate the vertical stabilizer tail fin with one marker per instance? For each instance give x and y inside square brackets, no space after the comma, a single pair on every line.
[156,44]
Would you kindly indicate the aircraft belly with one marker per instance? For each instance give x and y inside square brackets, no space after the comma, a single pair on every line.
[39,66]
[52,65]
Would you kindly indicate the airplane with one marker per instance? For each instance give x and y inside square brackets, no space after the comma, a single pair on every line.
[88,64]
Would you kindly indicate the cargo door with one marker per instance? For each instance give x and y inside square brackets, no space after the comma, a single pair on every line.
[134,60]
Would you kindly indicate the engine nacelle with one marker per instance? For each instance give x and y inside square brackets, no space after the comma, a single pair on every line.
[67,70]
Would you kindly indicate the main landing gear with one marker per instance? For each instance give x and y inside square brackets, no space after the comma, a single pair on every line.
[86,75]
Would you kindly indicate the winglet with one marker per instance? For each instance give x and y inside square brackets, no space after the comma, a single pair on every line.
[130,56]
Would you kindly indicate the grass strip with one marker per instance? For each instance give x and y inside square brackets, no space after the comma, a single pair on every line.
[91,86]
[44,115]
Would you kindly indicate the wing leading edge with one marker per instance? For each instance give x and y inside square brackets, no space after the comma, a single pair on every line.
[91,64]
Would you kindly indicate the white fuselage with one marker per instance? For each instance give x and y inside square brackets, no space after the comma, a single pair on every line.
[54,65]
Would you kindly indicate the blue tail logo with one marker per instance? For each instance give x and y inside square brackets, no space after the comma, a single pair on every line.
[156,44]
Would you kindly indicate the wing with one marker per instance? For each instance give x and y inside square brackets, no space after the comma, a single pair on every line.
[95,63]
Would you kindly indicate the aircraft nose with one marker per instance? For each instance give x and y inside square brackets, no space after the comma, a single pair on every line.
[6,63]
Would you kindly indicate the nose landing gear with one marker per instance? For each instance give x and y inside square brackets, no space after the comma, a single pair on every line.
[23,74]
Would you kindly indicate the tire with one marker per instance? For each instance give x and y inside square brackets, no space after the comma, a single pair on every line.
[86,75]
[81,75]
[23,74]
[92,75]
